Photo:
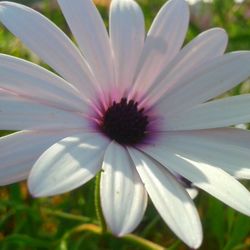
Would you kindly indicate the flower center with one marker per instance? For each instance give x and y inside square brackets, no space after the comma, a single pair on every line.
[124,122]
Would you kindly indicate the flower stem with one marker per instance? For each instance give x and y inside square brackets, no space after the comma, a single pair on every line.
[132,239]
[64,215]
[98,207]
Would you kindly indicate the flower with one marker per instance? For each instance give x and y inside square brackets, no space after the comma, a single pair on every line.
[137,108]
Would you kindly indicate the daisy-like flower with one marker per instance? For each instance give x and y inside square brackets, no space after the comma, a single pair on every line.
[139,109]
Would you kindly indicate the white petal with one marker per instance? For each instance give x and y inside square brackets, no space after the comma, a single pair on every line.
[207,177]
[30,80]
[170,199]
[205,47]
[206,82]
[48,42]
[215,114]
[193,192]
[19,151]
[123,195]
[89,30]
[23,114]
[127,34]
[67,164]
[228,149]
[163,41]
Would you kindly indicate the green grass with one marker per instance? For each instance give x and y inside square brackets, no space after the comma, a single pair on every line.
[53,223]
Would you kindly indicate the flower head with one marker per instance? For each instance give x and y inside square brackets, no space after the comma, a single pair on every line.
[136,108]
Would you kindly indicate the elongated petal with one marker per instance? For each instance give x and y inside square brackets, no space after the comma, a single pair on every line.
[127,35]
[67,164]
[206,82]
[123,195]
[205,47]
[193,192]
[207,177]
[29,80]
[221,113]
[170,199]
[48,42]
[163,41]
[22,114]
[88,28]
[19,151]
[228,149]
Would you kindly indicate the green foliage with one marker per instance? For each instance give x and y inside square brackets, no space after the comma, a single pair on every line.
[64,222]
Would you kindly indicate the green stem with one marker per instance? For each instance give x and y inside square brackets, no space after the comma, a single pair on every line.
[143,243]
[133,239]
[98,207]
[65,215]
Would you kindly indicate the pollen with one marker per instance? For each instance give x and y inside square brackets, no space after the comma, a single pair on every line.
[124,122]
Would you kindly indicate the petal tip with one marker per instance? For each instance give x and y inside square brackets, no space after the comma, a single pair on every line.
[196,241]
[119,232]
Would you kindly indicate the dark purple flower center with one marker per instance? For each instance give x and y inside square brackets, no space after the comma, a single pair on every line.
[124,122]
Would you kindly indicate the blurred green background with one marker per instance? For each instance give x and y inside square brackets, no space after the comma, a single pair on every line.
[53,223]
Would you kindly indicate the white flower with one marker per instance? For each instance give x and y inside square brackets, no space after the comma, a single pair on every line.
[192,2]
[135,108]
